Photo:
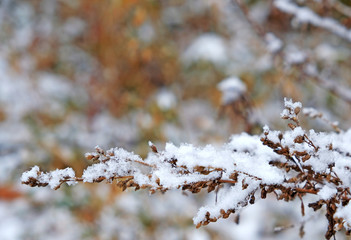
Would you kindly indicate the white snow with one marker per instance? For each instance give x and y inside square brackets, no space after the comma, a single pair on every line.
[345,213]
[274,44]
[146,32]
[327,192]
[59,174]
[32,173]
[234,197]
[293,55]
[232,89]
[117,165]
[166,100]
[53,178]
[207,47]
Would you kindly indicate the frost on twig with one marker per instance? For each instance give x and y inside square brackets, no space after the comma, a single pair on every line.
[288,165]
[339,90]
[306,15]
[313,113]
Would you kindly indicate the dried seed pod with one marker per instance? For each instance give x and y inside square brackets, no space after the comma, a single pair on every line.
[299,139]
[232,210]
[270,189]
[158,181]
[333,207]
[300,154]
[339,226]
[89,156]
[130,184]
[244,184]
[196,190]
[110,153]
[344,202]
[316,205]
[99,179]
[234,176]
[211,187]
[297,110]
[99,150]
[306,157]
[252,199]
[237,219]
[153,147]
[263,193]
[302,231]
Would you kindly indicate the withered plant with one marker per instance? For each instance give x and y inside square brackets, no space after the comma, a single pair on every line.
[289,165]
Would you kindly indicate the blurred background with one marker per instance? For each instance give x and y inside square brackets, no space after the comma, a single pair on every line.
[75,74]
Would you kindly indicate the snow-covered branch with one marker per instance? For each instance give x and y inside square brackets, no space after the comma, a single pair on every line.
[306,15]
[288,165]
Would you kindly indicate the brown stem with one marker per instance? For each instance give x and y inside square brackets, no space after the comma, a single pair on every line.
[309,142]
[257,28]
[302,190]
[227,181]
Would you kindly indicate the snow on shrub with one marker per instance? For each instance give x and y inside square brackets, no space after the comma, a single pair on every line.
[288,165]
